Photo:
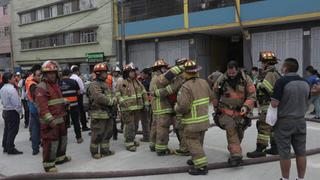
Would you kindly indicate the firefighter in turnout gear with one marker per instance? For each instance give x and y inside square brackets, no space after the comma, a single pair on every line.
[51,107]
[192,103]
[162,107]
[234,96]
[132,98]
[264,91]
[100,105]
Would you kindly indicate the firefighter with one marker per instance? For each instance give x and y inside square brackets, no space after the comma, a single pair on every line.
[133,100]
[51,106]
[234,96]
[162,109]
[264,91]
[100,105]
[192,103]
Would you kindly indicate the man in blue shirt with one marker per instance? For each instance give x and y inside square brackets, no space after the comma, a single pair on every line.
[11,113]
[313,80]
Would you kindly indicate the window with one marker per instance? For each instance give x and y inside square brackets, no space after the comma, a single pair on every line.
[6,31]
[88,36]
[68,38]
[67,8]
[40,14]
[62,39]
[5,10]
[53,11]
[26,18]
[87,4]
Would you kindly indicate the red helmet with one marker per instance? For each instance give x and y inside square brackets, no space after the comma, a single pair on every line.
[100,67]
[49,66]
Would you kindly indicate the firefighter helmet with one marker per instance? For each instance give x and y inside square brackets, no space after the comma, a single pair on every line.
[117,69]
[190,66]
[100,67]
[129,67]
[159,64]
[181,61]
[49,66]
[268,57]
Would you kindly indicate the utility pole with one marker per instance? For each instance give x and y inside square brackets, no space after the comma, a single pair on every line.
[123,34]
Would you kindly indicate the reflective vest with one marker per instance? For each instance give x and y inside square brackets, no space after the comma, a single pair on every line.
[29,82]
[109,81]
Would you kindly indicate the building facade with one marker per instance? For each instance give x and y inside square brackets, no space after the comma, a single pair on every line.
[68,31]
[5,41]
[216,31]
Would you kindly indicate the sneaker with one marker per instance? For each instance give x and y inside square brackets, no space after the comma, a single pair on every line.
[51,170]
[190,162]
[35,152]
[79,140]
[15,152]
[86,129]
[198,171]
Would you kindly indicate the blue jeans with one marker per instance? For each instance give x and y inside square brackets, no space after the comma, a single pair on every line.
[35,131]
[316,101]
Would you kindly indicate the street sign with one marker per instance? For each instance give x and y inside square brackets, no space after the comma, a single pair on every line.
[95,57]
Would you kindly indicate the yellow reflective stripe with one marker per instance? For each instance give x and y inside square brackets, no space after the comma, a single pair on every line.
[263,137]
[176,70]
[162,111]
[99,115]
[161,147]
[267,85]
[195,120]
[48,164]
[47,117]
[104,145]
[132,108]
[56,101]
[94,145]
[169,89]
[61,158]
[201,161]
[124,98]
[129,144]
[201,101]
[157,92]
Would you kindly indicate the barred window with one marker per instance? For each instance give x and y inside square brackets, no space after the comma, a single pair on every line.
[88,36]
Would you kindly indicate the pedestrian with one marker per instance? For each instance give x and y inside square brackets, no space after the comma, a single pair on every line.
[314,82]
[290,96]
[133,100]
[51,106]
[11,113]
[31,84]
[75,76]
[24,99]
[192,103]
[70,91]
[101,102]
[234,96]
[264,91]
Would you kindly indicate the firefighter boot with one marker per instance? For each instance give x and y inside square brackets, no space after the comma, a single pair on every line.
[190,162]
[63,160]
[259,152]
[198,171]
[273,150]
[164,152]
[235,161]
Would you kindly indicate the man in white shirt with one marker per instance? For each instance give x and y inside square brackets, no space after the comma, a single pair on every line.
[75,76]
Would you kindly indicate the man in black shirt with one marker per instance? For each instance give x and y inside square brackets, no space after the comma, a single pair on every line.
[70,91]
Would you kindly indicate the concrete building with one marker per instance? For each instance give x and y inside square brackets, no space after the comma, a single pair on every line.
[210,31]
[5,45]
[68,31]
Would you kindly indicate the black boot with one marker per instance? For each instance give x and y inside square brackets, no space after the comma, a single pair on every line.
[198,171]
[235,161]
[190,162]
[152,148]
[259,152]
[164,152]
[273,150]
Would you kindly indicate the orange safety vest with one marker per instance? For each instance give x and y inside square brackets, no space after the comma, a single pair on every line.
[109,81]
[29,82]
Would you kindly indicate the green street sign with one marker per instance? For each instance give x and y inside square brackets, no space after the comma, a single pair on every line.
[95,57]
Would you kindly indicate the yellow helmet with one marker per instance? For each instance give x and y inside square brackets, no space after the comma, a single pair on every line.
[190,66]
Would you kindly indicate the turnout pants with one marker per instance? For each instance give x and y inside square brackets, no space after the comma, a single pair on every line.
[54,144]
[194,142]
[131,124]
[234,133]
[101,133]
[264,131]
[162,126]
